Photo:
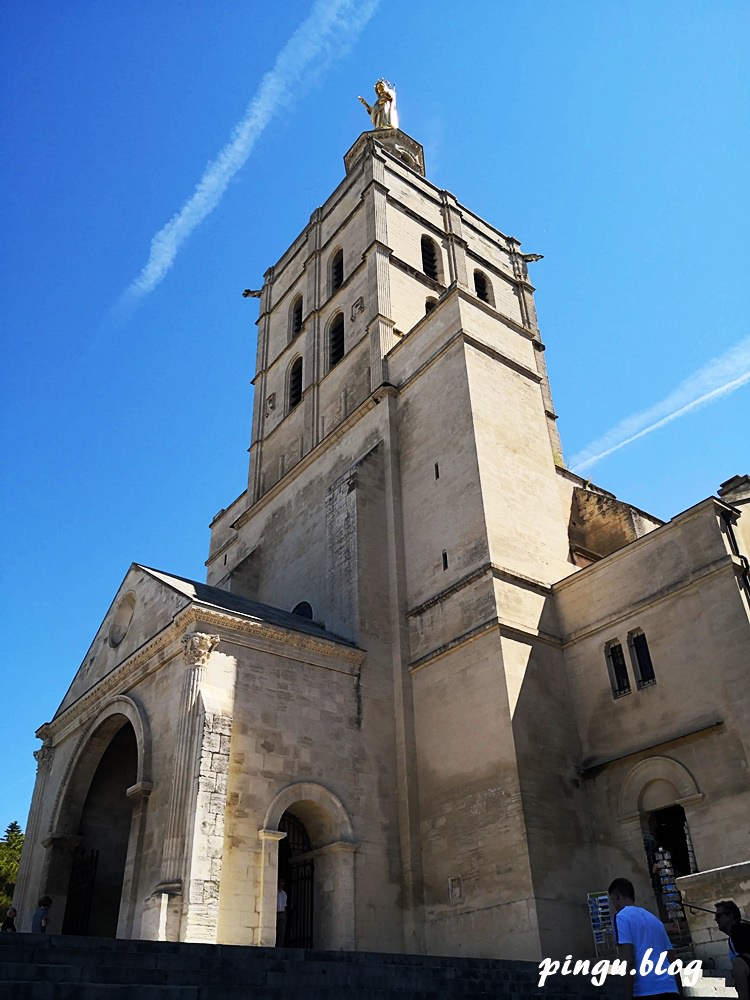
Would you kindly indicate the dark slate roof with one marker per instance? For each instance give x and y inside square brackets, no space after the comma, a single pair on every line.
[213,597]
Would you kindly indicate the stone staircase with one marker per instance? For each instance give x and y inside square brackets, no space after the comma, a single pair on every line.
[39,967]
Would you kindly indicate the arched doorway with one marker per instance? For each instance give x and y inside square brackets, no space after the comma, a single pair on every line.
[318,830]
[297,870]
[96,877]
[669,828]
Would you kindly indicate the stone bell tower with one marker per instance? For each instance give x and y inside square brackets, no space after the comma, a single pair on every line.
[392,692]
[406,490]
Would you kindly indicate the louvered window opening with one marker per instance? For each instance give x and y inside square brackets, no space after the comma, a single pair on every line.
[297,317]
[429,258]
[295,384]
[337,270]
[336,341]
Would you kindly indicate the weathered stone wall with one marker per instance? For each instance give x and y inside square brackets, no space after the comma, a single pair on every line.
[683,739]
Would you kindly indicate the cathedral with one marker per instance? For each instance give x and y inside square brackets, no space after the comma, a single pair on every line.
[441,686]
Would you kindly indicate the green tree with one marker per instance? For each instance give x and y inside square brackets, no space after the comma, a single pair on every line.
[10,858]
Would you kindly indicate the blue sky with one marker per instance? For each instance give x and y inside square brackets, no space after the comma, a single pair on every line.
[610,137]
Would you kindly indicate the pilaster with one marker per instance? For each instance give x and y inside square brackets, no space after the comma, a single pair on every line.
[456,245]
[259,383]
[130,897]
[197,650]
[27,882]
[269,880]
[314,296]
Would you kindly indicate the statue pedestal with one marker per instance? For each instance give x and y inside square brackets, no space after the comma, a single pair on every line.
[398,144]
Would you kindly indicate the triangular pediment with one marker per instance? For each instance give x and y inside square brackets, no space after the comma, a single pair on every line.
[143,606]
[146,604]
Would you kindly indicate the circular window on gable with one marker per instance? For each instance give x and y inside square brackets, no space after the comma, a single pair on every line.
[123,616]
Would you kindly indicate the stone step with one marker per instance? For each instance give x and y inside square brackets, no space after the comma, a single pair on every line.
[38,967]
[710,986]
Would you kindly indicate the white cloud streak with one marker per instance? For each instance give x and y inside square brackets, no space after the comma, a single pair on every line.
[329,31]
[718,378]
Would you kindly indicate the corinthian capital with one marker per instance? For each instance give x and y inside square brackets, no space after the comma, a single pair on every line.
[43,756]
[198,647]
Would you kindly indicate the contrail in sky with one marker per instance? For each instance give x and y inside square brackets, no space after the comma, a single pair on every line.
[330,30]
[716,379]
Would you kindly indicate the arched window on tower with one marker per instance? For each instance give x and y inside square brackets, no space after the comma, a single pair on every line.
[429,304]
[483,287]
[295,384]
[336,340]
[431,259]
[295,317]
[337,270]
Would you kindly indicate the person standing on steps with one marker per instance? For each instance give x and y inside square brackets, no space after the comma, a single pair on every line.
[729,921]
[41,917]
[639,932]
[281,904]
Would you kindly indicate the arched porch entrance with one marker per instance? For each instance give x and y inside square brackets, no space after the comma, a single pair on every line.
[317,864]
[95,885]
[95,847]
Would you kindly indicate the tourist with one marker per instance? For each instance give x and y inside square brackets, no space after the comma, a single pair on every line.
[41,917]
[639,933]
[729,921]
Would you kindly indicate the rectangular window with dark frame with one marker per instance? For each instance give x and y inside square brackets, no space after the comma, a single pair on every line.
[618,671]
[641,657]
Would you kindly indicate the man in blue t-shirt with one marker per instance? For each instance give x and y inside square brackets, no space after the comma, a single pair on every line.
[643,944]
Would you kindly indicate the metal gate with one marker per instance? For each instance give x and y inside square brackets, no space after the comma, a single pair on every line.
[80,892]
[298,872]
[299,932]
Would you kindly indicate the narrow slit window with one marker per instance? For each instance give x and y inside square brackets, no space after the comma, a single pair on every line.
[295,384]
[430,258]
[437,471]
[618,671]
[337,270]
[641,658]
[336,341]
[445,559]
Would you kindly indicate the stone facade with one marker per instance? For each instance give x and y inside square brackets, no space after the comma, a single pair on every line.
[490,678]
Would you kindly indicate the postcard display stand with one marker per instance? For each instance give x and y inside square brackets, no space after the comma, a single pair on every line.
[601,924]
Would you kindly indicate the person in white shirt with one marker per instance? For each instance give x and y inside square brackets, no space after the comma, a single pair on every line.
[281,902]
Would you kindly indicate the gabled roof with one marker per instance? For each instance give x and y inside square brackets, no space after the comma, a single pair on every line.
[213,597]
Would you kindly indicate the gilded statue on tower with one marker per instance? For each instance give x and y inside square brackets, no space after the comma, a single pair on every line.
[383,113]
